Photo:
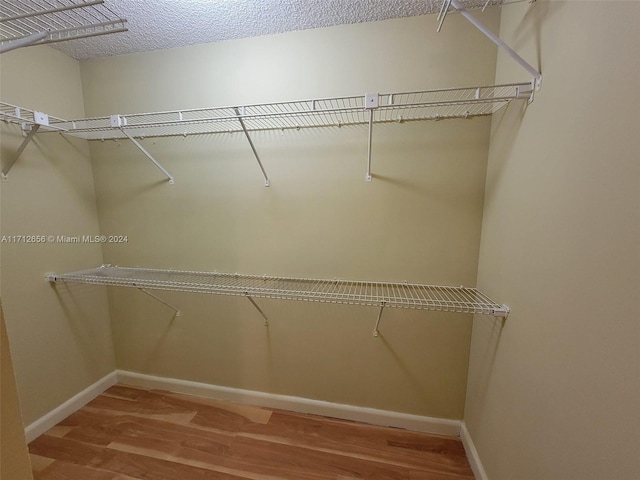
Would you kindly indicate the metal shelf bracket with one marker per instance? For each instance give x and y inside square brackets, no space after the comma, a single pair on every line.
[376,333]
[457,6]
[371,102]
[40,119]
[155,297]
[116,120]
[266,320]
[253,148]
[23,145]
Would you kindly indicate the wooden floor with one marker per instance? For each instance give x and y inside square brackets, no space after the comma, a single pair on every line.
[129,433]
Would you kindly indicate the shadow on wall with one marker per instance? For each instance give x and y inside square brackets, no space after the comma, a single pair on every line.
[487,332]
[505,127]
[531,25]
[77,304]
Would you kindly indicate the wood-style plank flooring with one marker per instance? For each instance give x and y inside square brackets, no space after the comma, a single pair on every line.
[134,434]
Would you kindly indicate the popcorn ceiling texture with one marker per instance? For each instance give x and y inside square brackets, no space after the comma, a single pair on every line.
[160,24]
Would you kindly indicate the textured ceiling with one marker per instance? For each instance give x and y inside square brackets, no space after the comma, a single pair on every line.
[160,24]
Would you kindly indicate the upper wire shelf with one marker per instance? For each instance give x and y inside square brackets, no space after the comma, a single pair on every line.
[338,111]
[27,22]
[381,294]
[372,108]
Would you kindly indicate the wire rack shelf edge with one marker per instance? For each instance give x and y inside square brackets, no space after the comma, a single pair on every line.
[374,108]
[367,293]
[36,22]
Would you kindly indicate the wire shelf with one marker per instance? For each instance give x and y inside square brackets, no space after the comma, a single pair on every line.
[400,295]
[328,112]
[26,117]
[57,20]
[339,111]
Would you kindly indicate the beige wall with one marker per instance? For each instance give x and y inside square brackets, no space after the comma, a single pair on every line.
[555,393]
[419,220]
[14,457]
[61,343]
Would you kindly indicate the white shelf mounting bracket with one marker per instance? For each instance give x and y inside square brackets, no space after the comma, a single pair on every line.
[491,36]
[155,297]
[376,332]
[142,149]
[253,148]
[371,102]
[502,312]
[266,320]
[23,145]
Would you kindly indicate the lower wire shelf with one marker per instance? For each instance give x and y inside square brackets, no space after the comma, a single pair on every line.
[380,294]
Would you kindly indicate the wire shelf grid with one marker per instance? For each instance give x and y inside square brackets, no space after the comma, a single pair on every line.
[328,112]
[25,117]
[61,19]
[400,295]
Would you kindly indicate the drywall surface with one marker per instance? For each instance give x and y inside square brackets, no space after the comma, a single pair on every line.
[419,220]
[60,343]
[555,393]
[14,457]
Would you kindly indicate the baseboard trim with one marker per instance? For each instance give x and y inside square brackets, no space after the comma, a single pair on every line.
[72,405]
[472,453]
[295,404]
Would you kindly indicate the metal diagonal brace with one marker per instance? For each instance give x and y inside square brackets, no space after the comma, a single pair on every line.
[494,38]
[371,101]
[23,145]
[375,329]
[24,41]
[143,290]
[149,156]
[367,178]
[253,148]
[266,320]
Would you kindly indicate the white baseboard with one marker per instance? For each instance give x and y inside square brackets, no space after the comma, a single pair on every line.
[295,404]
[472,454]
[76,402]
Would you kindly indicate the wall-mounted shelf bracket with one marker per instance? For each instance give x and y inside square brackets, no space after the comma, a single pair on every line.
[117,120]
[23,145]
[30,127]
[266,320]
[375,329]
[155,297]
[458,7]
[253,148]
[502,312]
[371,102]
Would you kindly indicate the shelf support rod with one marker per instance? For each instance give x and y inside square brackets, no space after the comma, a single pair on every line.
[375,329]
[24,41]
[155,297]
[498,41]
[23,145]
[368,177]
[149,156]
[266,320]
[253,148]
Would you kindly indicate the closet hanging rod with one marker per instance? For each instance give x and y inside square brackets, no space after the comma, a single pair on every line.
[379,294]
